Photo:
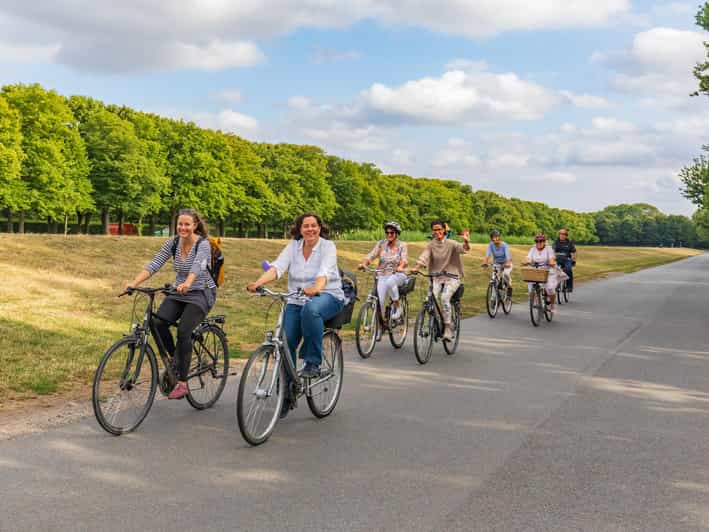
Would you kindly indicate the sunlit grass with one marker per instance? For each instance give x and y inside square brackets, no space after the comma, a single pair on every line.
[60,311]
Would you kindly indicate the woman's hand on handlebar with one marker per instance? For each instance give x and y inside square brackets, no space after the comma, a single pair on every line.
[253,287]
[182,288]
[311,291]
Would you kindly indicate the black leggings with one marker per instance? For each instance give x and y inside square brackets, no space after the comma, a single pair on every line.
[190,316]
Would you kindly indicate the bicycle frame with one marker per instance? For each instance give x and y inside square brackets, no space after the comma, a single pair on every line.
[432,302]
[276,339]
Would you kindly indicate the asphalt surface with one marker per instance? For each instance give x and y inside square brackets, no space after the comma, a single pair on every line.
[596,421]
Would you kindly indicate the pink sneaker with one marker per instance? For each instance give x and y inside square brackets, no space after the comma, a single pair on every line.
[178,392]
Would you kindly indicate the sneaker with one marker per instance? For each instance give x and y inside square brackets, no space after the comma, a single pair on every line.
[179,391]
[447,334]
[379,334]
[396,313]
[310,371]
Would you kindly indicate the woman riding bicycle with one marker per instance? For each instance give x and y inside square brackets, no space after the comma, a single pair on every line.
[443,255]
[196,290]
[542,256]
[393,260]
[498,252]
[310,259]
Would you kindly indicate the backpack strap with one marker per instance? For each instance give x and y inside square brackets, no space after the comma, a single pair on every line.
[176,243]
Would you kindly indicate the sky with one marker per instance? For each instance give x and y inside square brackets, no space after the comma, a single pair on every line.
[576,103]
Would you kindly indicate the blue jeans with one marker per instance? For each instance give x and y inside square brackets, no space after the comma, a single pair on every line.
[567,266]
[307,322]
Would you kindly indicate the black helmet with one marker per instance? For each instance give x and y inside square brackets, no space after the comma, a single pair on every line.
[494,233]
[395,226]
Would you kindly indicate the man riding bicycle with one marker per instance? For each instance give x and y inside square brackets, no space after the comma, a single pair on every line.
[498,252]
[443,255]
[565,251]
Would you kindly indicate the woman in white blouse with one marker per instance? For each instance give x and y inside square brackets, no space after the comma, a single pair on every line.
[543,256]
[311,262]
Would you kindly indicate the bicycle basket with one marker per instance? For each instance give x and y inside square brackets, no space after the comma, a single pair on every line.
[341,318]
[408,286]
[458,294]
[534,275]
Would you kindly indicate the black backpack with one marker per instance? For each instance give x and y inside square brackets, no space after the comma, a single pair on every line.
[216,263]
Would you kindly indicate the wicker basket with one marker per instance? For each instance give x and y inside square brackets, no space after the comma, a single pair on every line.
[534,275]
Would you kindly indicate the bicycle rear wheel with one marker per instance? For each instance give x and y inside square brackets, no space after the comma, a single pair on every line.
[547,308]
[424,332]
[366,328]
[492,300]
[258,405]
[209,368]
[399,328]
[451,346]
[566,291]
[559,291]
[121,395]
[535,307]
[322,397]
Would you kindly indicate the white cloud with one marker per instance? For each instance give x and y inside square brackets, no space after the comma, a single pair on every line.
[216,34]
[12,53]
[321,56]
[609,124]
[585,101]
[228,96]
[657,65]
[226,120]
[561,178]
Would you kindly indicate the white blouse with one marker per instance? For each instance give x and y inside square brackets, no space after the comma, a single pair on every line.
[302,273]
[540,257]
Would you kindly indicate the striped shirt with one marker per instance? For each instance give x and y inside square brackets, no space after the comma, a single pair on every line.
[196,262]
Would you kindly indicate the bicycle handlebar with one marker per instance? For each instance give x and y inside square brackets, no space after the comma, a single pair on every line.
[433,275]
[263,291]
[167,289]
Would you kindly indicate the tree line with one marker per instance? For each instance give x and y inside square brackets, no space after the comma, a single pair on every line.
[74,160]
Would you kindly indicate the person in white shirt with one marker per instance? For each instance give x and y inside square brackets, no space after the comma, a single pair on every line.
[310,259]
[543,256]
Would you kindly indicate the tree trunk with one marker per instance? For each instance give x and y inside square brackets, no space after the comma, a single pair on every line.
[140,226]
[79,219]
[261,231]
[151,225]
[87,217]
[105,221]
[21,222]
[53,226]
[173,221]
[9,221]
[120,222]
[66,224]
[220,227]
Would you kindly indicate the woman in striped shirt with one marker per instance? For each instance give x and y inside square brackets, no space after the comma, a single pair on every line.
[195,290]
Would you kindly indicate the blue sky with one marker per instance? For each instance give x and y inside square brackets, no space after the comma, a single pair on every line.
[579,104]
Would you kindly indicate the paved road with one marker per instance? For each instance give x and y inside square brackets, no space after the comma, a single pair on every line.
[597,421]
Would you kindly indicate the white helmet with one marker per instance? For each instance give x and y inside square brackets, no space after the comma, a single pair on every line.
[395,226]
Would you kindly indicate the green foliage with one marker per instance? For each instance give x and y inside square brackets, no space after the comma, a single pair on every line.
[640,224]
[12,188]
[695,179]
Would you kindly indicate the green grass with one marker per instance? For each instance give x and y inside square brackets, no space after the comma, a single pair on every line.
[60,310]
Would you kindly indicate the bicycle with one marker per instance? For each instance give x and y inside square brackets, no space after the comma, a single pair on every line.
[562,287]
[270,369]
[368,324]
[127,375]
[429,326]
[539,302]
[498,291]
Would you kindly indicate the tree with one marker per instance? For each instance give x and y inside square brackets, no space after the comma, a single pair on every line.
[12,188]
[55,168]
[695,179]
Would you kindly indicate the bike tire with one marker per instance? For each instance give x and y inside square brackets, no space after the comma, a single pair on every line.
[110,367]
[492,300]
[367,323]
[534,308]
[323,402]
[424,332]
[566,292]
[257,368]
[452,346]
[507,301]
[559,292]
[397,333]
[206,386]
[547,310]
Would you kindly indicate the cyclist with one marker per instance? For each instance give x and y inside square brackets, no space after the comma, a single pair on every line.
[196,291]
[543,256]
[443,255]
[565,250]
[310,259]
[499,253]
[393,260]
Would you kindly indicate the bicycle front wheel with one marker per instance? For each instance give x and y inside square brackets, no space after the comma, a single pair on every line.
[535,307]
[209,368]
[262,391]
[400,327]
[366,328]
[325,391]
[424,331]
[566,291]
[122,393]
[452,345]
[507,300]
[491,300]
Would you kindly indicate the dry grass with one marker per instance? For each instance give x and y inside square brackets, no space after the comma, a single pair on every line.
[60,313]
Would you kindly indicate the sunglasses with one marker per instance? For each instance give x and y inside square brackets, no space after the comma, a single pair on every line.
[538,241]
[390,232]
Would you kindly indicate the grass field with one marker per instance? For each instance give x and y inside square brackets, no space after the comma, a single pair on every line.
[60,311]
